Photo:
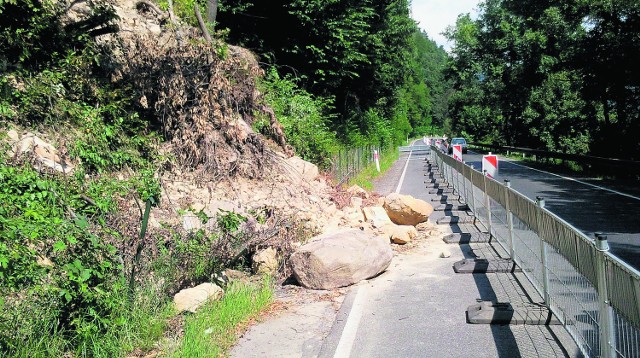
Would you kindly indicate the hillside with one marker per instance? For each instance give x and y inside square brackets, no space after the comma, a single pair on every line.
[150,117]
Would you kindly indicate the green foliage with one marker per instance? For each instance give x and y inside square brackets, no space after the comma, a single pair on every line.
[556,116]
[47,254]
[61,278]
[368,57]
[303,116]
[70,93]
[187,260]
[228,221]
[211,332]
[559,76]
[32,33]
[185,9]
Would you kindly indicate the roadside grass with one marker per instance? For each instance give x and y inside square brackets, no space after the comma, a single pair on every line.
[144,323]
[138,325]
[364,178]
[211,332]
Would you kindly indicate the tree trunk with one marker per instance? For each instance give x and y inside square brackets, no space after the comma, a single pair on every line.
[212,12]
[203,26]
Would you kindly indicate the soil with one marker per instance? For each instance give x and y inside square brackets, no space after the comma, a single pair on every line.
[301,319]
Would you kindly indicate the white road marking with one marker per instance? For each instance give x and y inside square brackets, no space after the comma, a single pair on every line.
[351,327]
[575,180]
[405,169]
[343,350]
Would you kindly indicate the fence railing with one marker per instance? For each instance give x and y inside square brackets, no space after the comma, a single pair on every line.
[616,163]
[594,294]
[346,164]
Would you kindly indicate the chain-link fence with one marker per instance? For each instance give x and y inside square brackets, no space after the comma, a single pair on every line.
[348,163]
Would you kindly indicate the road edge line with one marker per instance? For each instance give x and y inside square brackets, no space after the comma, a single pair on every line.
[405,169]
[573,179]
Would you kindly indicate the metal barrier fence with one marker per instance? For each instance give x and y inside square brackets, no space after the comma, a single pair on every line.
[594,294]
[625,165]
[346,164]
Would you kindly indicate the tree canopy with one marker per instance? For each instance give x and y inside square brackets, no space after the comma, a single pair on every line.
[556,76]
[368,57]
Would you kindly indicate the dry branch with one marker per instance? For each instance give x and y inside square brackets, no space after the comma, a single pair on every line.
[151,6]
[203,26]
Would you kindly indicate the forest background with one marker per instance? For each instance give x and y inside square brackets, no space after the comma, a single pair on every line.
[337,74]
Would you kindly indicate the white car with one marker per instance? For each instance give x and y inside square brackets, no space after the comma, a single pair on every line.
[458,141]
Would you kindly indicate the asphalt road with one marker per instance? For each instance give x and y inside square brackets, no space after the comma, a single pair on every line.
[417,307]
[587,206]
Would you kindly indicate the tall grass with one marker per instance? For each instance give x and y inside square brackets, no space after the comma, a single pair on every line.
[364,178]
[211,332]
[138,325]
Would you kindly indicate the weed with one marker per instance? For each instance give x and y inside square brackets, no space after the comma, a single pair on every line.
[211,332]
[364,178]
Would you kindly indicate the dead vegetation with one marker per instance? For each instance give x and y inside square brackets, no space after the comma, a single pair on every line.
[205,104]
[201,94]
[203,97]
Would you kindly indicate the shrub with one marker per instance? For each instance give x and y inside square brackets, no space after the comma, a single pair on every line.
[304,118]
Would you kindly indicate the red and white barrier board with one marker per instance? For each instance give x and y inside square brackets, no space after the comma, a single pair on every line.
[490,165]
[376,158]
[457,152]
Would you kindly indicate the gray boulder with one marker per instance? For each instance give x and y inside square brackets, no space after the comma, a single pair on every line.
[340,259]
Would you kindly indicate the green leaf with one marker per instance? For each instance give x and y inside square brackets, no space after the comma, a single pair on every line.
[59,246]
[82,222]
[85,275]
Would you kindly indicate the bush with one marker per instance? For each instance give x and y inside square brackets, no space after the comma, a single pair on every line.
[51,265]
[304,118]
[32,34]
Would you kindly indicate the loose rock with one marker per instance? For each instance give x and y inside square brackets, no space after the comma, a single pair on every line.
[407,210]
[190,299]
[340,259]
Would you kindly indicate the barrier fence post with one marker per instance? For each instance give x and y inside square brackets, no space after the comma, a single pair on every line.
[512,249]
[473,198]
[607,334]
[454,181]
[458,184]
[464,184]
[487,204]
[543,257]
[453,186]
[445,174]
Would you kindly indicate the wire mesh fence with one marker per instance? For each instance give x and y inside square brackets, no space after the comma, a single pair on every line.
[348,163]
[594,294]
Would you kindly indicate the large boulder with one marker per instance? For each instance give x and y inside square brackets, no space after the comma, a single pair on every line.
[376,216]
[406,210]
[190,299]
[340,259]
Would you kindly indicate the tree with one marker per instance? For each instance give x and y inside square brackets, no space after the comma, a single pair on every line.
[554,75]
[360,53]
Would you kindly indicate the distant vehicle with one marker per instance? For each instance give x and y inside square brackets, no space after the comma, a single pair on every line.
[458,141]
